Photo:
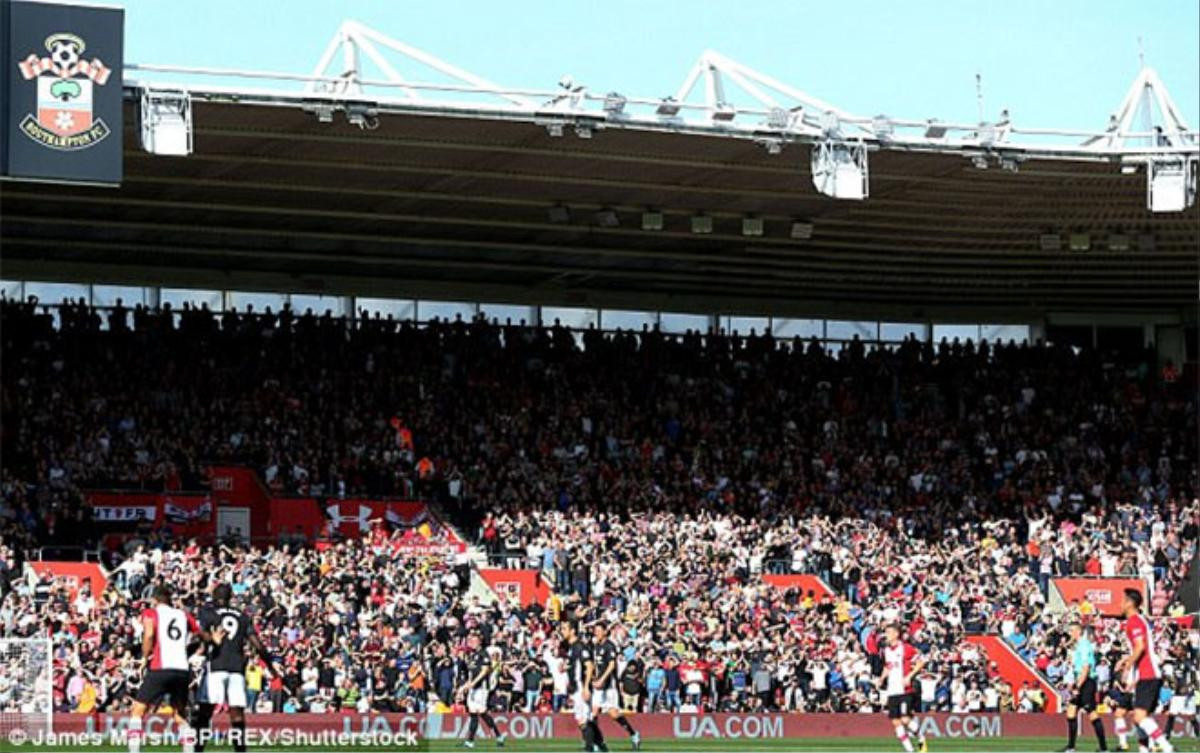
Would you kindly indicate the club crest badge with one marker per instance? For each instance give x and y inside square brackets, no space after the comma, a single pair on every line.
[65,82]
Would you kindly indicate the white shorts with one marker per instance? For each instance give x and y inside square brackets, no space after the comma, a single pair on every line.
[581,709]
[603,700]
[1179,704]
[228,688]
[477,701]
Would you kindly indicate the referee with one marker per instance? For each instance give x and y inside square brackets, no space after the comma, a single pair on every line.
[1083,695]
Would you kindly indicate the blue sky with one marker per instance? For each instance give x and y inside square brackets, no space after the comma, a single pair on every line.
[1053,63]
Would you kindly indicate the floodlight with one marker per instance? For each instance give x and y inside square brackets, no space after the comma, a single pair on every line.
[614,104]
[583,130]
[652,220]
[554,129]
[1170,184]
[1118,242]
[324,112]
[166,122]
[980,162]
[363,116]
[607,218]
[801,230]
[839,169]
[723,113]
[1080,242]
[831,125]
[752,226]
[668,107]
[1050,242]
[778,118]
[702,224]
[882,127]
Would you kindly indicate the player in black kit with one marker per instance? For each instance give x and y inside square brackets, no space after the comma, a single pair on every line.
[479,670]
[581,669]
[604,687]
[224,680]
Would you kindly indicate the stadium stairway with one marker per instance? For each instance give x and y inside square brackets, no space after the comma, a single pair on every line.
[478,587]
[1015,670]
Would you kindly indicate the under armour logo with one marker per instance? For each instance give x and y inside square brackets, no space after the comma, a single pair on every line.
[361,520]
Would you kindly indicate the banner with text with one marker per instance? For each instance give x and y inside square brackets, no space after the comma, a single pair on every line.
[268,729]
[1105,594]
[186,515]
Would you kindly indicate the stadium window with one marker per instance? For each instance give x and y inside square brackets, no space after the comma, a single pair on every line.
[743,324]
[678,324]
[318,303]
[950,332]
[400,310]
[11,290]
[503,312]
[894,332]
[445,310]
[130,295]
[843,330]
[622,319]
[53,293]
[786,329]
[570,317]
[194,296]
[1018,333]
[239,300]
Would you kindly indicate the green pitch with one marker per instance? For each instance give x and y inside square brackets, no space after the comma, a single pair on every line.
[793,745]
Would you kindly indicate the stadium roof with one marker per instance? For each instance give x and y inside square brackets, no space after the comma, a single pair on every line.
[530,199]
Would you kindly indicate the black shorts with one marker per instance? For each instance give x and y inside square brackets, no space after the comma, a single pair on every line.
[903,704]
[1119,699]
[1146,695]
[1085,697]
[169,683]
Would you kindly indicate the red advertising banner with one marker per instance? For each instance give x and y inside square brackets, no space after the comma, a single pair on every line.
[187,515]
[194,515]
[523,586]
[804,583]
[74,574]
[355,517]
[365,728]
[1105,594]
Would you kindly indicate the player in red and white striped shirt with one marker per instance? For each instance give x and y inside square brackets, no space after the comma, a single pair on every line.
[166,632]
[901,663]
[1143,665]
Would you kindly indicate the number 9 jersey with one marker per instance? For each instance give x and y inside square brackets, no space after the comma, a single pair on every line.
[230,654]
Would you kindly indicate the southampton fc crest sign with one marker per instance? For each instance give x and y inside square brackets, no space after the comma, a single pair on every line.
[66,82]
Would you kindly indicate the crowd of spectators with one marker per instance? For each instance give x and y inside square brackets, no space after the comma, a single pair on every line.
[654,478]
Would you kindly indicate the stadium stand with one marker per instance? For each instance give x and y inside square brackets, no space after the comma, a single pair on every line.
[657,480]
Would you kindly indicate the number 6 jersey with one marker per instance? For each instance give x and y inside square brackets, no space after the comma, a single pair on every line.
[172,629]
